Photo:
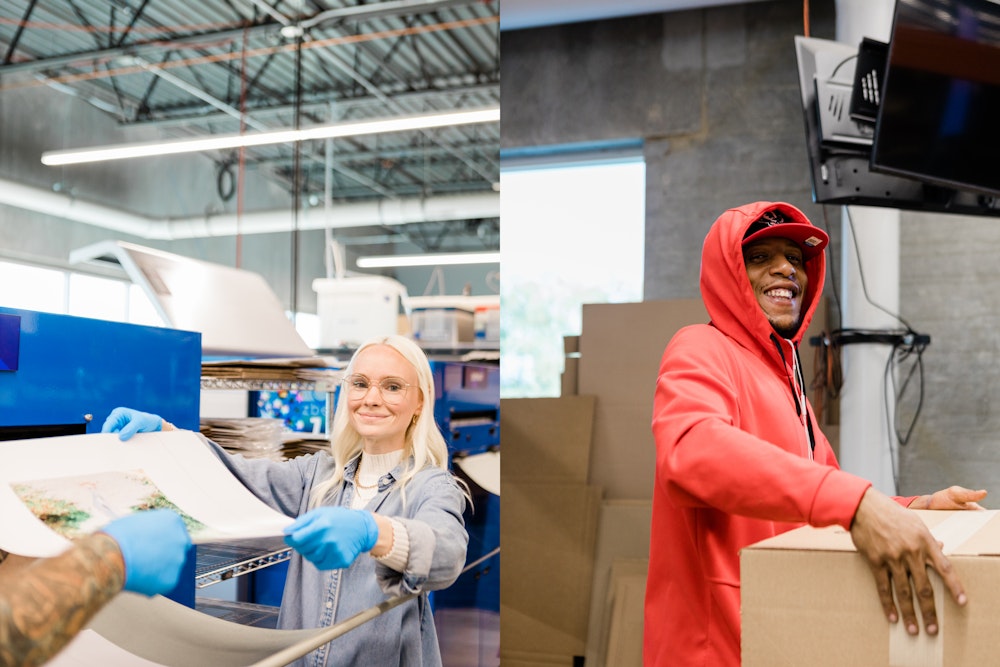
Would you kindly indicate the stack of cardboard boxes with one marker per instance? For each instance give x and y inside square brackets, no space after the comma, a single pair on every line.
[547,529]
[577,487]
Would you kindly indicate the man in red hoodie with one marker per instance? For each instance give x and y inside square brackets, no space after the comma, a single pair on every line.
[739,457]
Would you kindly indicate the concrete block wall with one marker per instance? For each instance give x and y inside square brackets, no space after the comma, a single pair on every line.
[713,95]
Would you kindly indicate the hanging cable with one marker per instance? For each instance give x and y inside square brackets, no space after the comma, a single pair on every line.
[907,348]
[296,179]
[241,161]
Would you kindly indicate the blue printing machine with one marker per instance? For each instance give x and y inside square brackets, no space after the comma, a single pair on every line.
[62,375]
[467,410]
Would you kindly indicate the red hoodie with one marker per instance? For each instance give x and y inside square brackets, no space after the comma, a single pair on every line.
[732,455]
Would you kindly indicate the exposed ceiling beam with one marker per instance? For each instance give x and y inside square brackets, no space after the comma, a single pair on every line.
[443,94]
[141,48]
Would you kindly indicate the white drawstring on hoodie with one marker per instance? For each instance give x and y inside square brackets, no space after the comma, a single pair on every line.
[800,396]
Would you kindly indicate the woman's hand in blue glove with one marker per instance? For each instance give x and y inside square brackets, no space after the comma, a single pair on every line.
[154,545]
[126,422]
[332,537]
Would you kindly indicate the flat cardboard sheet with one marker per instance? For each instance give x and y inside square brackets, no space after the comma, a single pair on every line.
[622,538]
[547,530]
[546,439]
[620,349]
[88,480]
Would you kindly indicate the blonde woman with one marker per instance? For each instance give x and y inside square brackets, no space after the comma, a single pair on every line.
[383,490]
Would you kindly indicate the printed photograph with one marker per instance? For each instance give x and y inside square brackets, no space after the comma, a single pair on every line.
[78,505]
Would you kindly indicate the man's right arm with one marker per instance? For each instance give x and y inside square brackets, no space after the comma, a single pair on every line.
[45,604]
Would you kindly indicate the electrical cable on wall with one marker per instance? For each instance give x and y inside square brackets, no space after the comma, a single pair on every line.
[907,347]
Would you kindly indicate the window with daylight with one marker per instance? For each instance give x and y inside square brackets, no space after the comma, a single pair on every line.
[570,233]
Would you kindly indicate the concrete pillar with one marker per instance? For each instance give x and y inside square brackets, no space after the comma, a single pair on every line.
[866,417]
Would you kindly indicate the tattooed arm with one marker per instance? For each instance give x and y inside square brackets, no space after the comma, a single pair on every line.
[45,604]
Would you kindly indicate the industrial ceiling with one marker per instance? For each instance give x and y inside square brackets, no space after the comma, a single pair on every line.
[190,69]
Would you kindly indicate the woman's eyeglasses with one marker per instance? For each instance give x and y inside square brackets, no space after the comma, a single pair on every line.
[393,390]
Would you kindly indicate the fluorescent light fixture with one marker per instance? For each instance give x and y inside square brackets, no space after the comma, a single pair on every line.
[223,141]
[429,260]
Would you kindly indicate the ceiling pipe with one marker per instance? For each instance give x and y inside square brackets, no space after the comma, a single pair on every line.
[401,211]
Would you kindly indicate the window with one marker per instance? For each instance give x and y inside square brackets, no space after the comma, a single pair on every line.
[32,287]
[570,234]
[100,298]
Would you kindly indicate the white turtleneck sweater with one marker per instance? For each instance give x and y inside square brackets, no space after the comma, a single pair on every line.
[372,467]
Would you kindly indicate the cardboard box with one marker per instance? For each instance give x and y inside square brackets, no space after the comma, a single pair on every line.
[627,596]
[569,381]
[535,659]
[547,531]
[808,598]
[620,350]
[442,326]
[622,538]
[546,439]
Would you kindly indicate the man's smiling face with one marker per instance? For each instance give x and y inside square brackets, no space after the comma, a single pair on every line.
[777,274]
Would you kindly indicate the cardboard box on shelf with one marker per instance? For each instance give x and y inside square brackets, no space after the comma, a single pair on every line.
[808,598]
[442,326]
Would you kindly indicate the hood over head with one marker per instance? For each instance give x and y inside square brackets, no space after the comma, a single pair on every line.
[725,287]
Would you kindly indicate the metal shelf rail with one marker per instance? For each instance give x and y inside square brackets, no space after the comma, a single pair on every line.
[219,561]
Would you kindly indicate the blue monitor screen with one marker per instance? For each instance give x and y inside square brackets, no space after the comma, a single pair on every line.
[10,341]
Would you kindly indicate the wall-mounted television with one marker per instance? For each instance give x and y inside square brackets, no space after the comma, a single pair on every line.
[839,145]
[939,116]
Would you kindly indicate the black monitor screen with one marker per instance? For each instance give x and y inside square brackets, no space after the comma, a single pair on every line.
[939,117]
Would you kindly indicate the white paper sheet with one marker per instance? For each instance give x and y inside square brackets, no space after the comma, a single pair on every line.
[168,633]
[484,469]
[89,649]
[87,470]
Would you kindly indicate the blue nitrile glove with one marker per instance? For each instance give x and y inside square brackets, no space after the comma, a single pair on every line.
[332,537]
[154,545]
[126,422]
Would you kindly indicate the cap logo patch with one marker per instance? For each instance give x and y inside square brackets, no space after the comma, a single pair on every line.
[771,218]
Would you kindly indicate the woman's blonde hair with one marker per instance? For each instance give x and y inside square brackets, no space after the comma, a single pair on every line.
[424,441]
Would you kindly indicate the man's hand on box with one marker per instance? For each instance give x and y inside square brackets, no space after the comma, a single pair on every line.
[952,498]
[899,548]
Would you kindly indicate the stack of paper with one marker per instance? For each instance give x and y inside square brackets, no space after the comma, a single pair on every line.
[253,437]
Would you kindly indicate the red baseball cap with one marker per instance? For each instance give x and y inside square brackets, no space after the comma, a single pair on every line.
[779,223]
